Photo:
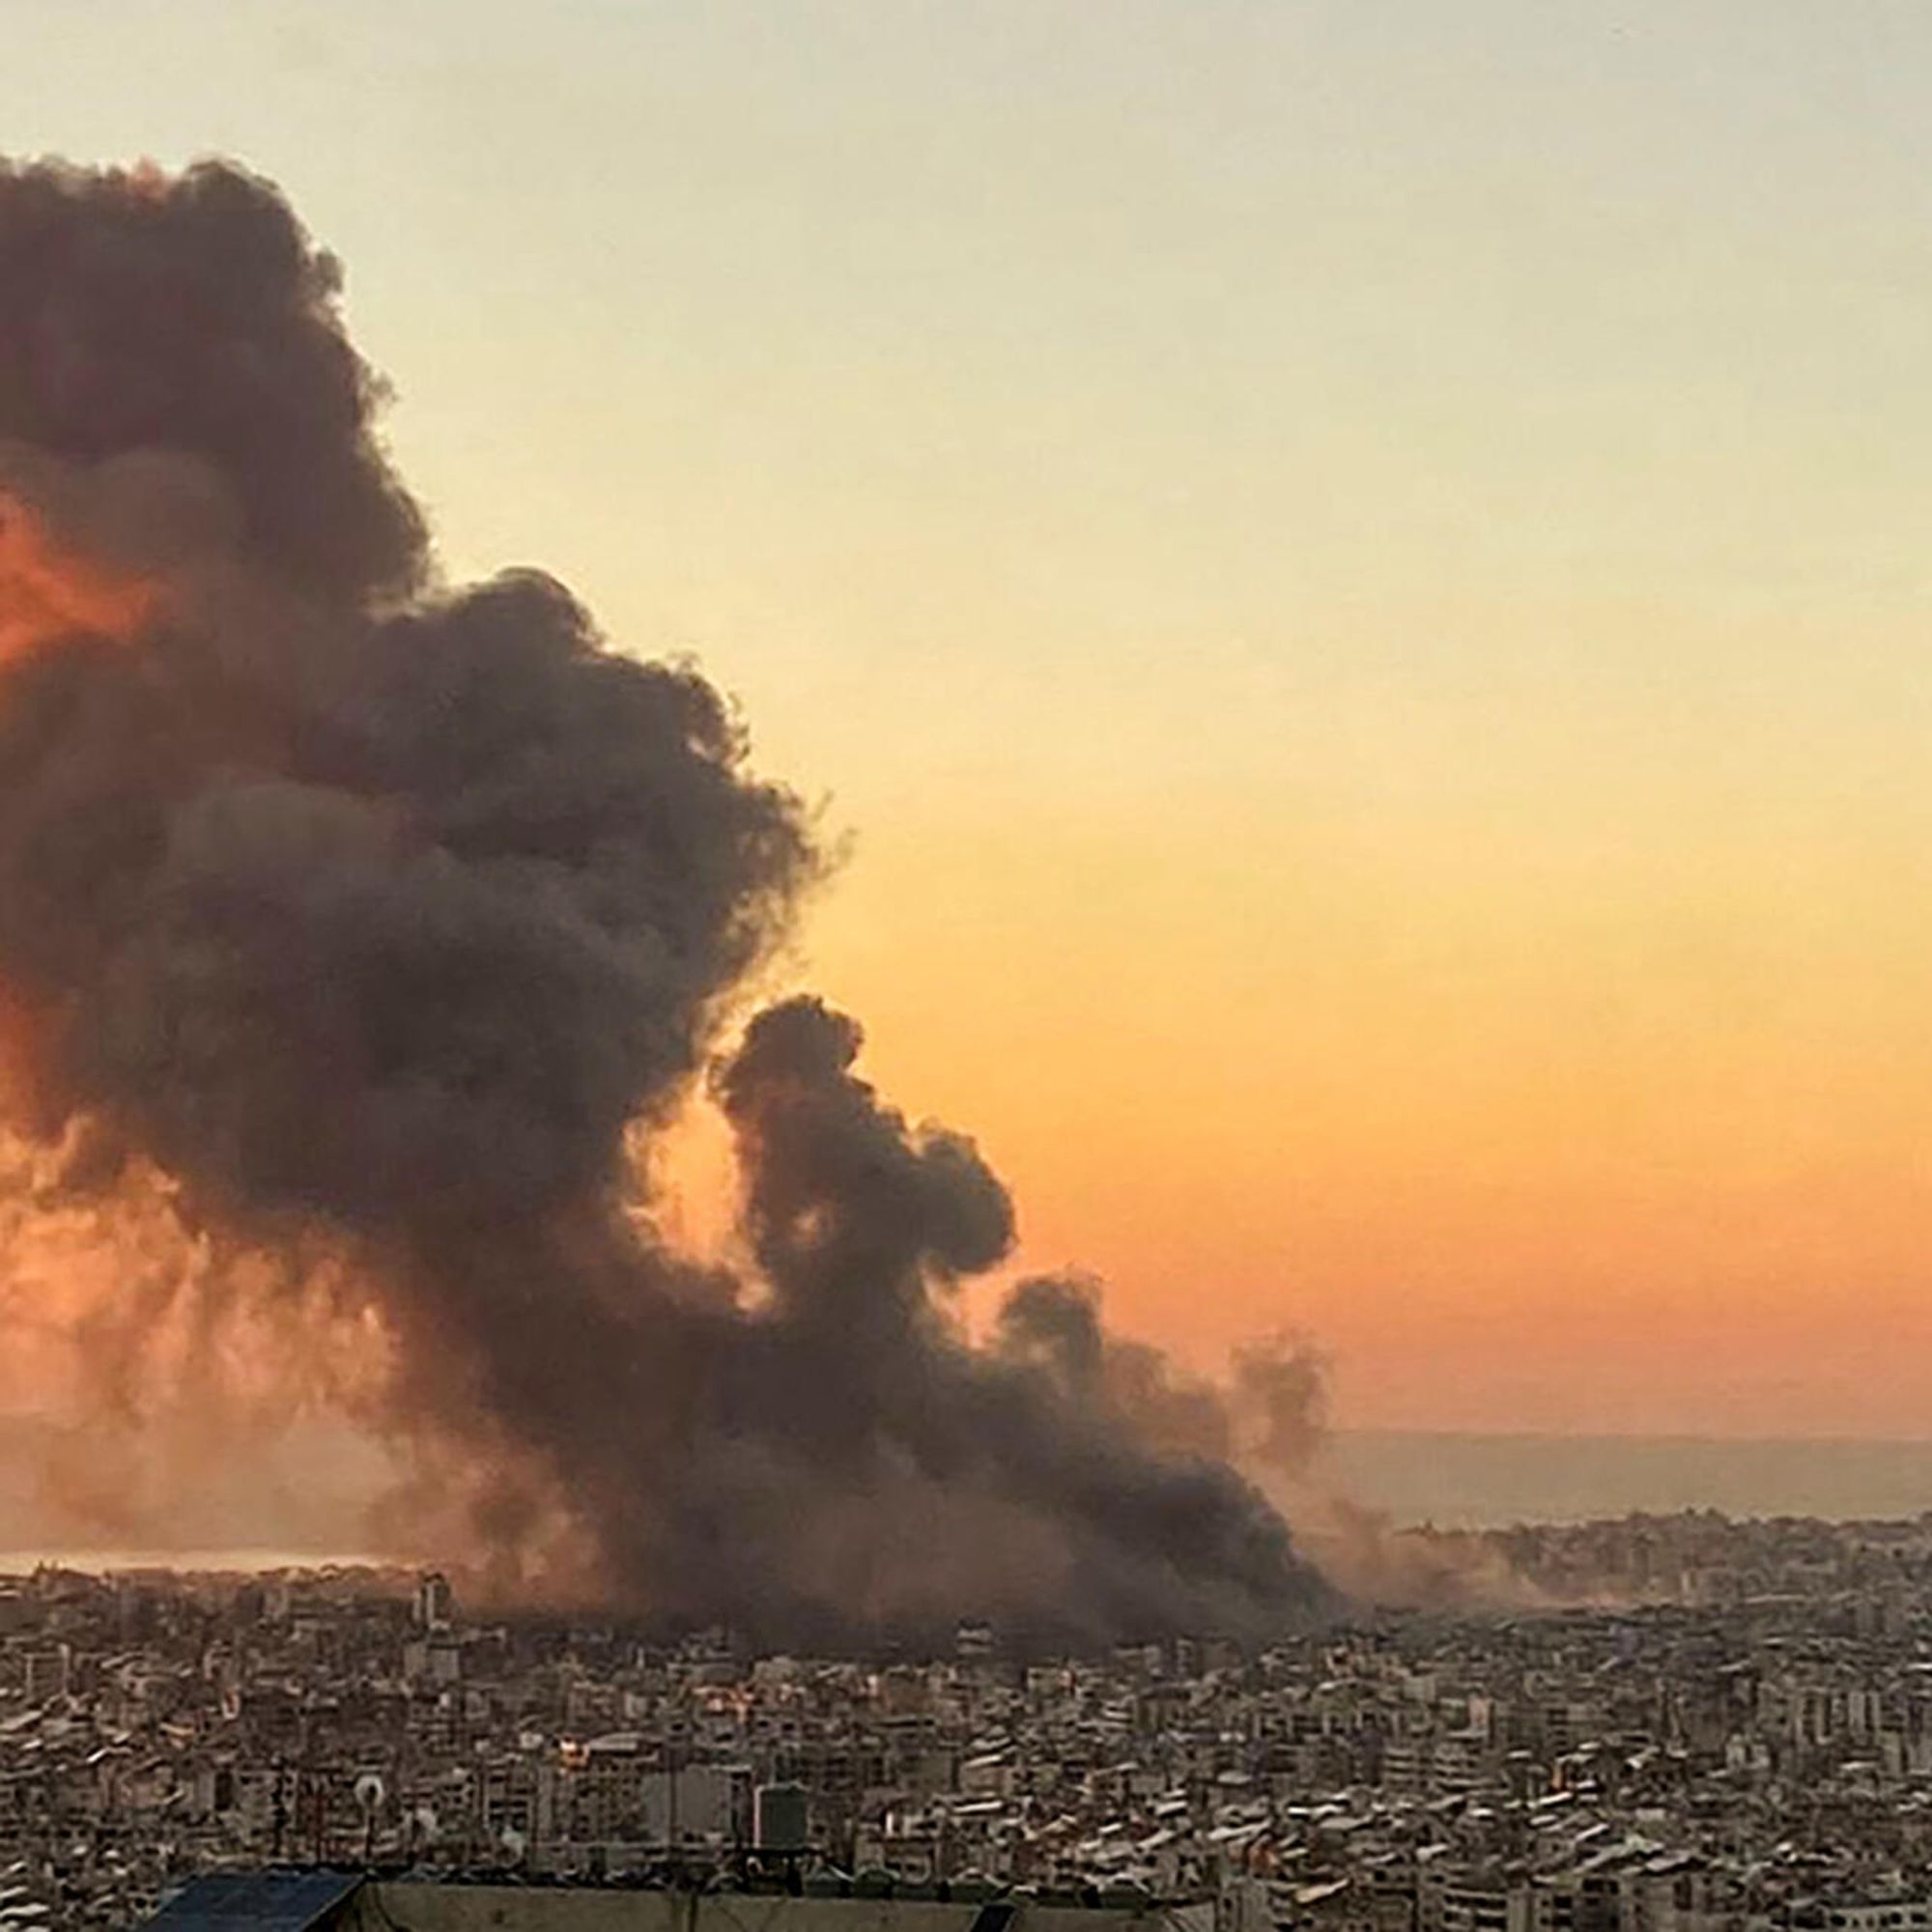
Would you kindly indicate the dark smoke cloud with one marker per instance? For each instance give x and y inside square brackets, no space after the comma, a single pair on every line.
[861,1223]
[192,317]
[380,922]
[1270,1415]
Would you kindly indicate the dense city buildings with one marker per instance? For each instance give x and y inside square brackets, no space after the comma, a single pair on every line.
[1702,1726]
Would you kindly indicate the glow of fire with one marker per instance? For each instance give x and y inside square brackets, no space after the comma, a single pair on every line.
[48,592]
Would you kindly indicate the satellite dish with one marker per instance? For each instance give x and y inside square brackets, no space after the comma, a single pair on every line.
[513,1842]
[370,1791]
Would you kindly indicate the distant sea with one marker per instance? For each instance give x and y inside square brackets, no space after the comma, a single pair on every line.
[1474,1482]
[1453,1481]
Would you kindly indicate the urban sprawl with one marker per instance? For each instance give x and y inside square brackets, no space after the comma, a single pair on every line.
[1701,1726]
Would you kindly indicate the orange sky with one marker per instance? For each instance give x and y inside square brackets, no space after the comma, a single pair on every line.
[1357,577]
[1533,1131]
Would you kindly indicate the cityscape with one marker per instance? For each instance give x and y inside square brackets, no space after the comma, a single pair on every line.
[1709,1726]
[960,966]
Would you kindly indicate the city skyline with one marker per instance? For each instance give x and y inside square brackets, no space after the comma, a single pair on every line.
[962,965]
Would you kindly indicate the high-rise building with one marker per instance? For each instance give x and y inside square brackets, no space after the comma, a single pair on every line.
[435,1602]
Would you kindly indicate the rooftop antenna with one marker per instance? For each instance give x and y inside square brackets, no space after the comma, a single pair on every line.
[370,1791]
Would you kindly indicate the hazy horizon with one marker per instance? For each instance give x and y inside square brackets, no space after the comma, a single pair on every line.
[1459,1479]
[1452,1479]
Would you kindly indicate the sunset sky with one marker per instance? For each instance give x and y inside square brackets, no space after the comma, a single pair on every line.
[1359,577]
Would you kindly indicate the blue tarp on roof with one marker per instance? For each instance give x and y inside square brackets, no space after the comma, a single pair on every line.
[257,1901]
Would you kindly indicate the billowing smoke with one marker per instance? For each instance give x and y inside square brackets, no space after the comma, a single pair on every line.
[372,927]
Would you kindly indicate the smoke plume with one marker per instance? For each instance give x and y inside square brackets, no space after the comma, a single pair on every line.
[359,929]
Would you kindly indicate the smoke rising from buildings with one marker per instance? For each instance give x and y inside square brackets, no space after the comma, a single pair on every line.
[357,927]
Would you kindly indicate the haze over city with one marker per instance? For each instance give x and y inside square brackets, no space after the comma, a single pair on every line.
[1346,593]
[1357,590]
[962,966]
